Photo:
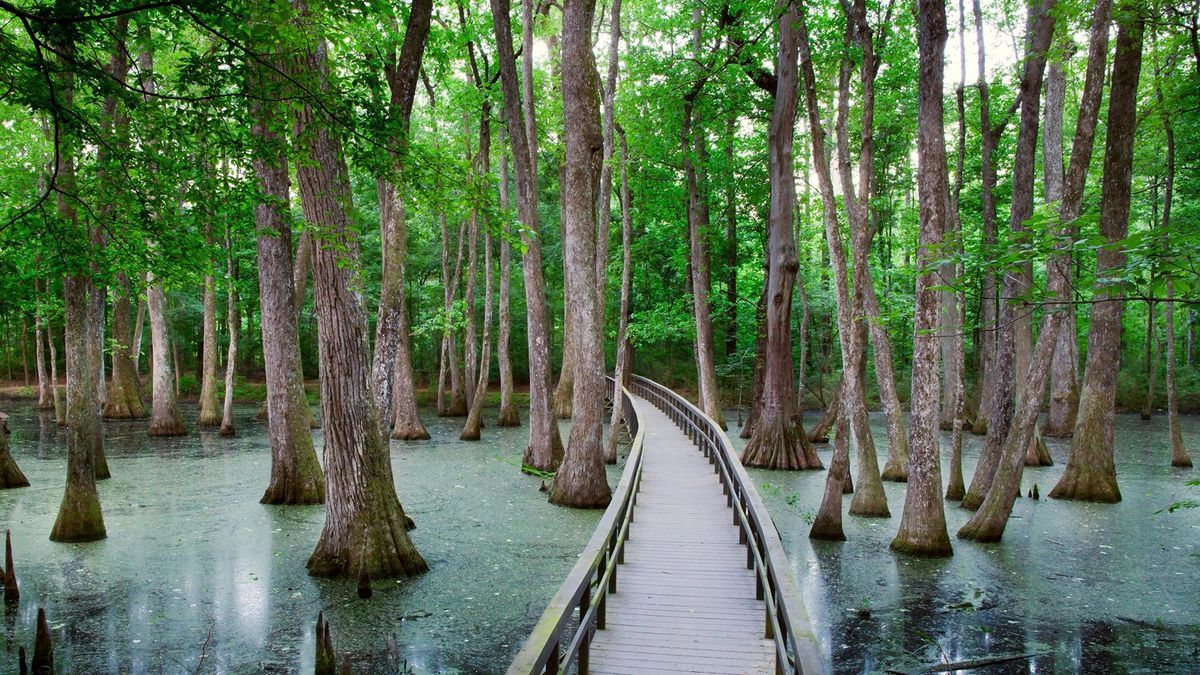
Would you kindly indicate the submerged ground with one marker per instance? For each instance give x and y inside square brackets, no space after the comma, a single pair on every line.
[196,573]
[194,568]
[1085,588]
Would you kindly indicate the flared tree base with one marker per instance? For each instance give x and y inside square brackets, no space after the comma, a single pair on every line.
[826,530]
[777,443]
[1038,454]
[923,545]
[509,417]
[209,421]
[295,491]
[100,461]
[581,482]
[11,475]
[895,471]
[167,427]
[79,517]
[546,455]
[228,430]
[377,541]
[410,431]
[1088,486]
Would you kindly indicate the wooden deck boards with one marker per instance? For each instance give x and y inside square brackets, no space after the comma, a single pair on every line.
[685,600]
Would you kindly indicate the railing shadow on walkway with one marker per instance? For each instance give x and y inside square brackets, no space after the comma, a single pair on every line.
[562,636]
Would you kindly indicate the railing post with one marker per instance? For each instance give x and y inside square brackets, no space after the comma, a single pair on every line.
[769,633]
[584,602]
[552,664]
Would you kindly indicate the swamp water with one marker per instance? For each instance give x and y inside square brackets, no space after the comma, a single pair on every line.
[196,575]
[1081,588]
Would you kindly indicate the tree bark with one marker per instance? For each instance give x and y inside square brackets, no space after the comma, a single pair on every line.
[1091,474]
[365,527]
[392,364]
[1179,454]
[474,423]
[581,480]
[698,253]
[209,402]
[233,322]
[1064,383]
[124,390]
[60,407]
[545,449]
[779,440]
[10,474]
[165,418]
[509,415]
[79,515]
[45,400]
[988,296]
[296,476]
[624,352]
[923,523]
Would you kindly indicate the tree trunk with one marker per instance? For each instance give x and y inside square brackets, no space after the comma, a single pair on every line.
[698,254]
[827,525]
[139,325]
[124,390]
[45,400]
[296,476]
[365,527]
[209,402]
[896,467]
[1151,363]
[509,415]
[779,440]
[1091,474]
[165,419]
[474,423]
[923,524]
[10,474]
[988,523]
[233,322]
[79,516]
[545,449]
[988,296]
[392,364]
[1179,453]
[581,480]
[820,431]
[624,355]
[760,364]
[1064,383]
[564,390]
[60,407]
[731,248]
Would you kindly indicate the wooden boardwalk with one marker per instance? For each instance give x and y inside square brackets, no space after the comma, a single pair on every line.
[685,600]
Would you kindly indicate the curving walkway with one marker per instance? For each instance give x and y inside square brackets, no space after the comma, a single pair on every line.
[685,602]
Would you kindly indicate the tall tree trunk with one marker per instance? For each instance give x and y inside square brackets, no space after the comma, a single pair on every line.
[581,480]
[139,325]
[233,322]
[60,407]
[509,415]
[1064,382]
[209,402]
[365,528]
[989,299]
[624,355]
[471,428]
[79,515]
[124,390]
[405,419]
[778,440]
[698,254]
[1008,364]
[45,400]
[470,338]
[11,475]
[296,476]
[1151,362]
[545,449]
[165,418]
[1091,474]
[564,390]
[923,523]
[1179,453]
[731,249]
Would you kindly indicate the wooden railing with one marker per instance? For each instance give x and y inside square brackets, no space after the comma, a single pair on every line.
[786,621]
[563,635]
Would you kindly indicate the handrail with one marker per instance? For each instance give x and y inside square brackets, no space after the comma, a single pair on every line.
[786,621]
[586,588]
